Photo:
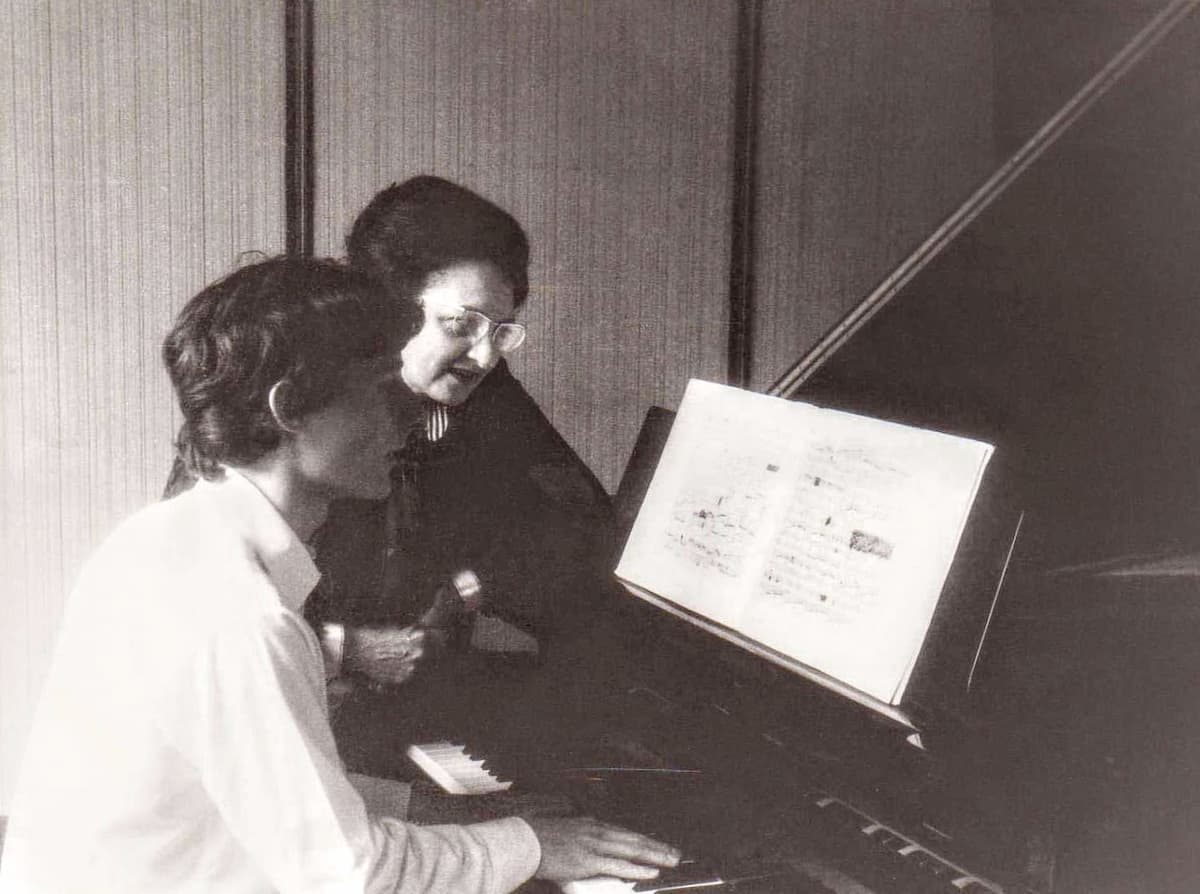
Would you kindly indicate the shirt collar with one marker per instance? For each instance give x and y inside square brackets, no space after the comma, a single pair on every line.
[285,558]
[437,420]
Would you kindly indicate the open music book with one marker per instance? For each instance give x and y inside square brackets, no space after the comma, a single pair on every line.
[817,538]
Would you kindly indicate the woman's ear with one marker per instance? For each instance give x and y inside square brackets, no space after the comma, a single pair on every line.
[279,400]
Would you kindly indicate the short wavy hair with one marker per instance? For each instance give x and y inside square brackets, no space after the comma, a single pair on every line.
[426,224]
[300,320]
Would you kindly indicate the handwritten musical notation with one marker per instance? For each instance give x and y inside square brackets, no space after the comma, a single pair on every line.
[714,519]
[820,535]
[830,556]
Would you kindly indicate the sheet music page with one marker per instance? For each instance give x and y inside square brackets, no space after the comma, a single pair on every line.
[702,527]
[857,561]
[822,535]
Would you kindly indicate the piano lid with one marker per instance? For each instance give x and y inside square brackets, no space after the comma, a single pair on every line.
[1057,315]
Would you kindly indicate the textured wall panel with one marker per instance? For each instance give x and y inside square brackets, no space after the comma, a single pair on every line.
[876,123]
[604,127]
[140,152]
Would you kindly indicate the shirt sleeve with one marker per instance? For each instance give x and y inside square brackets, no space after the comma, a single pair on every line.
[382,797]
[249,714]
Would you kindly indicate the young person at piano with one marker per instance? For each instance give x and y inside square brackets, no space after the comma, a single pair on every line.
[487,499]
[182,742]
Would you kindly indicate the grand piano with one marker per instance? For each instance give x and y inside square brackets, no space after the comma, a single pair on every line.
[1056,315]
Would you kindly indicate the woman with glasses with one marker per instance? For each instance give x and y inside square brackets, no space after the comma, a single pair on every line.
[487,498]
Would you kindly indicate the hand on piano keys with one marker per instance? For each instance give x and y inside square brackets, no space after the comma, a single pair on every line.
[572,847]
[575,848]
[459,772]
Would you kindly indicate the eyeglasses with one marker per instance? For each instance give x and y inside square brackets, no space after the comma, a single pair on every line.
[473,326]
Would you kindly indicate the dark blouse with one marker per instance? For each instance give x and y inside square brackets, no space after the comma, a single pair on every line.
[500,493]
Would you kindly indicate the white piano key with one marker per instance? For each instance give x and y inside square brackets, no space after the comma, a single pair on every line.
[448,765]
[598,886]
[607,885]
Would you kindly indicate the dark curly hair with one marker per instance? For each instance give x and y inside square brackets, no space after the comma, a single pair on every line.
[293,319]
[426,224]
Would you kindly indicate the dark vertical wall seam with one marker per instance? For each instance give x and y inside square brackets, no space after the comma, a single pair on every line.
[745,123]
[298,175]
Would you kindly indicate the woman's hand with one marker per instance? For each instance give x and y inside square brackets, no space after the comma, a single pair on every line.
[387,656]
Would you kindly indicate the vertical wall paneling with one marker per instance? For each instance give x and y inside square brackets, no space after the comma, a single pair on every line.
[29,352]
[741,241]
[605,128]
[299,176]
[141,151]
[876,123]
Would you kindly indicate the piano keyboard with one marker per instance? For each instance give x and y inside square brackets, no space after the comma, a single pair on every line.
[458,773]
[455,771]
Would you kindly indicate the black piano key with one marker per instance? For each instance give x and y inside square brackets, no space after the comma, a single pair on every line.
[879,856]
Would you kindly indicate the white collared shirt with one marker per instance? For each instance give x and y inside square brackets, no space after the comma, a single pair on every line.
[182,741]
